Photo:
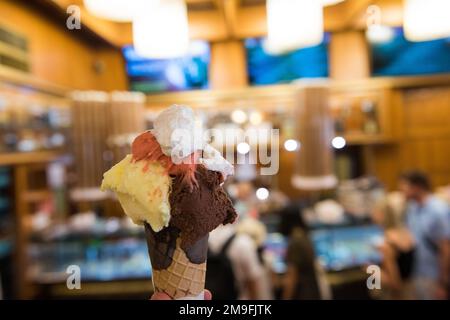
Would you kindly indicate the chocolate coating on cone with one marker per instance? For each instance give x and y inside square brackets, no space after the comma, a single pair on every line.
[197,211]
[161,247]
[197,253]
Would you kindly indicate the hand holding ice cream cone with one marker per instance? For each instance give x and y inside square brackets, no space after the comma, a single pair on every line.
[168,187]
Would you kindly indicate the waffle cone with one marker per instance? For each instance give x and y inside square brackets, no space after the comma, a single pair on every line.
[182,279]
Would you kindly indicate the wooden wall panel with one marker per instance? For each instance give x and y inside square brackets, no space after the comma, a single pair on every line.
[114,76]
[425,144]
[427,112]
[421,122]
[61,56]
[440,150]
[387,164]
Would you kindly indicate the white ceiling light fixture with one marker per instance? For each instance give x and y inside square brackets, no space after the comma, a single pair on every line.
[379,34]
[291,145]
[326,3]
[255,118]
[243,148]
[115,10]
[161,30]
[262,194]
[376,32]
[293,24]
[338,142]
[239,116]
[426,19]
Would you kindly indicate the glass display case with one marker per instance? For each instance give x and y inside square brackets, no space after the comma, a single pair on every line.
[101,255]
[32,121]
[349,247]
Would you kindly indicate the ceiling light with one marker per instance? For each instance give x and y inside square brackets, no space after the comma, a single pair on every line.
[115,10]
[262,193]
[243,148]
[291,145]
[338,142]
[293,24]
[331,2]
[161,30]
[426,19]
[239,116]
[378,34]
[255,118]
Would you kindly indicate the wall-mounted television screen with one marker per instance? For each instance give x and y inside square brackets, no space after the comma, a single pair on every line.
[161,75]
[265,68]
[399,56]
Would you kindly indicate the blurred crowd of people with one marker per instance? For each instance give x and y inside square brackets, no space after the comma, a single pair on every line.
[236,252]
[415,250]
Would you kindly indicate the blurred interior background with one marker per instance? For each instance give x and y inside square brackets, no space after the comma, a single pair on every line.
[359,90]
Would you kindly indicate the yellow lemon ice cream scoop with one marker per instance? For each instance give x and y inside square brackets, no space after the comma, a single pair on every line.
[142,188]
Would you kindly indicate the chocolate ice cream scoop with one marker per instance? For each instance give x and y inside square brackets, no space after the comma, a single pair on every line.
[199,210]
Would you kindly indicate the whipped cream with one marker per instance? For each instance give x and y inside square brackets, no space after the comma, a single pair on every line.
[212,159]
[180,134]
[177,131]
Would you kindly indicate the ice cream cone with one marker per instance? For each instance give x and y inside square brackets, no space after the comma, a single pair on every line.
[183,279]
[172,271]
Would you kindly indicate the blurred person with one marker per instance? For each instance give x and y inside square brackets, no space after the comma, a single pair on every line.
[389,212]
[258,232]
[301,278]
[271,202]
[397,252]
[234,268]
[246,202]
[397,249]
[427,218]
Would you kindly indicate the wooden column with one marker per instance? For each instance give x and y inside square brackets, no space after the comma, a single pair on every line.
[314,167]
[228,68]
[349,56]
[21,213]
